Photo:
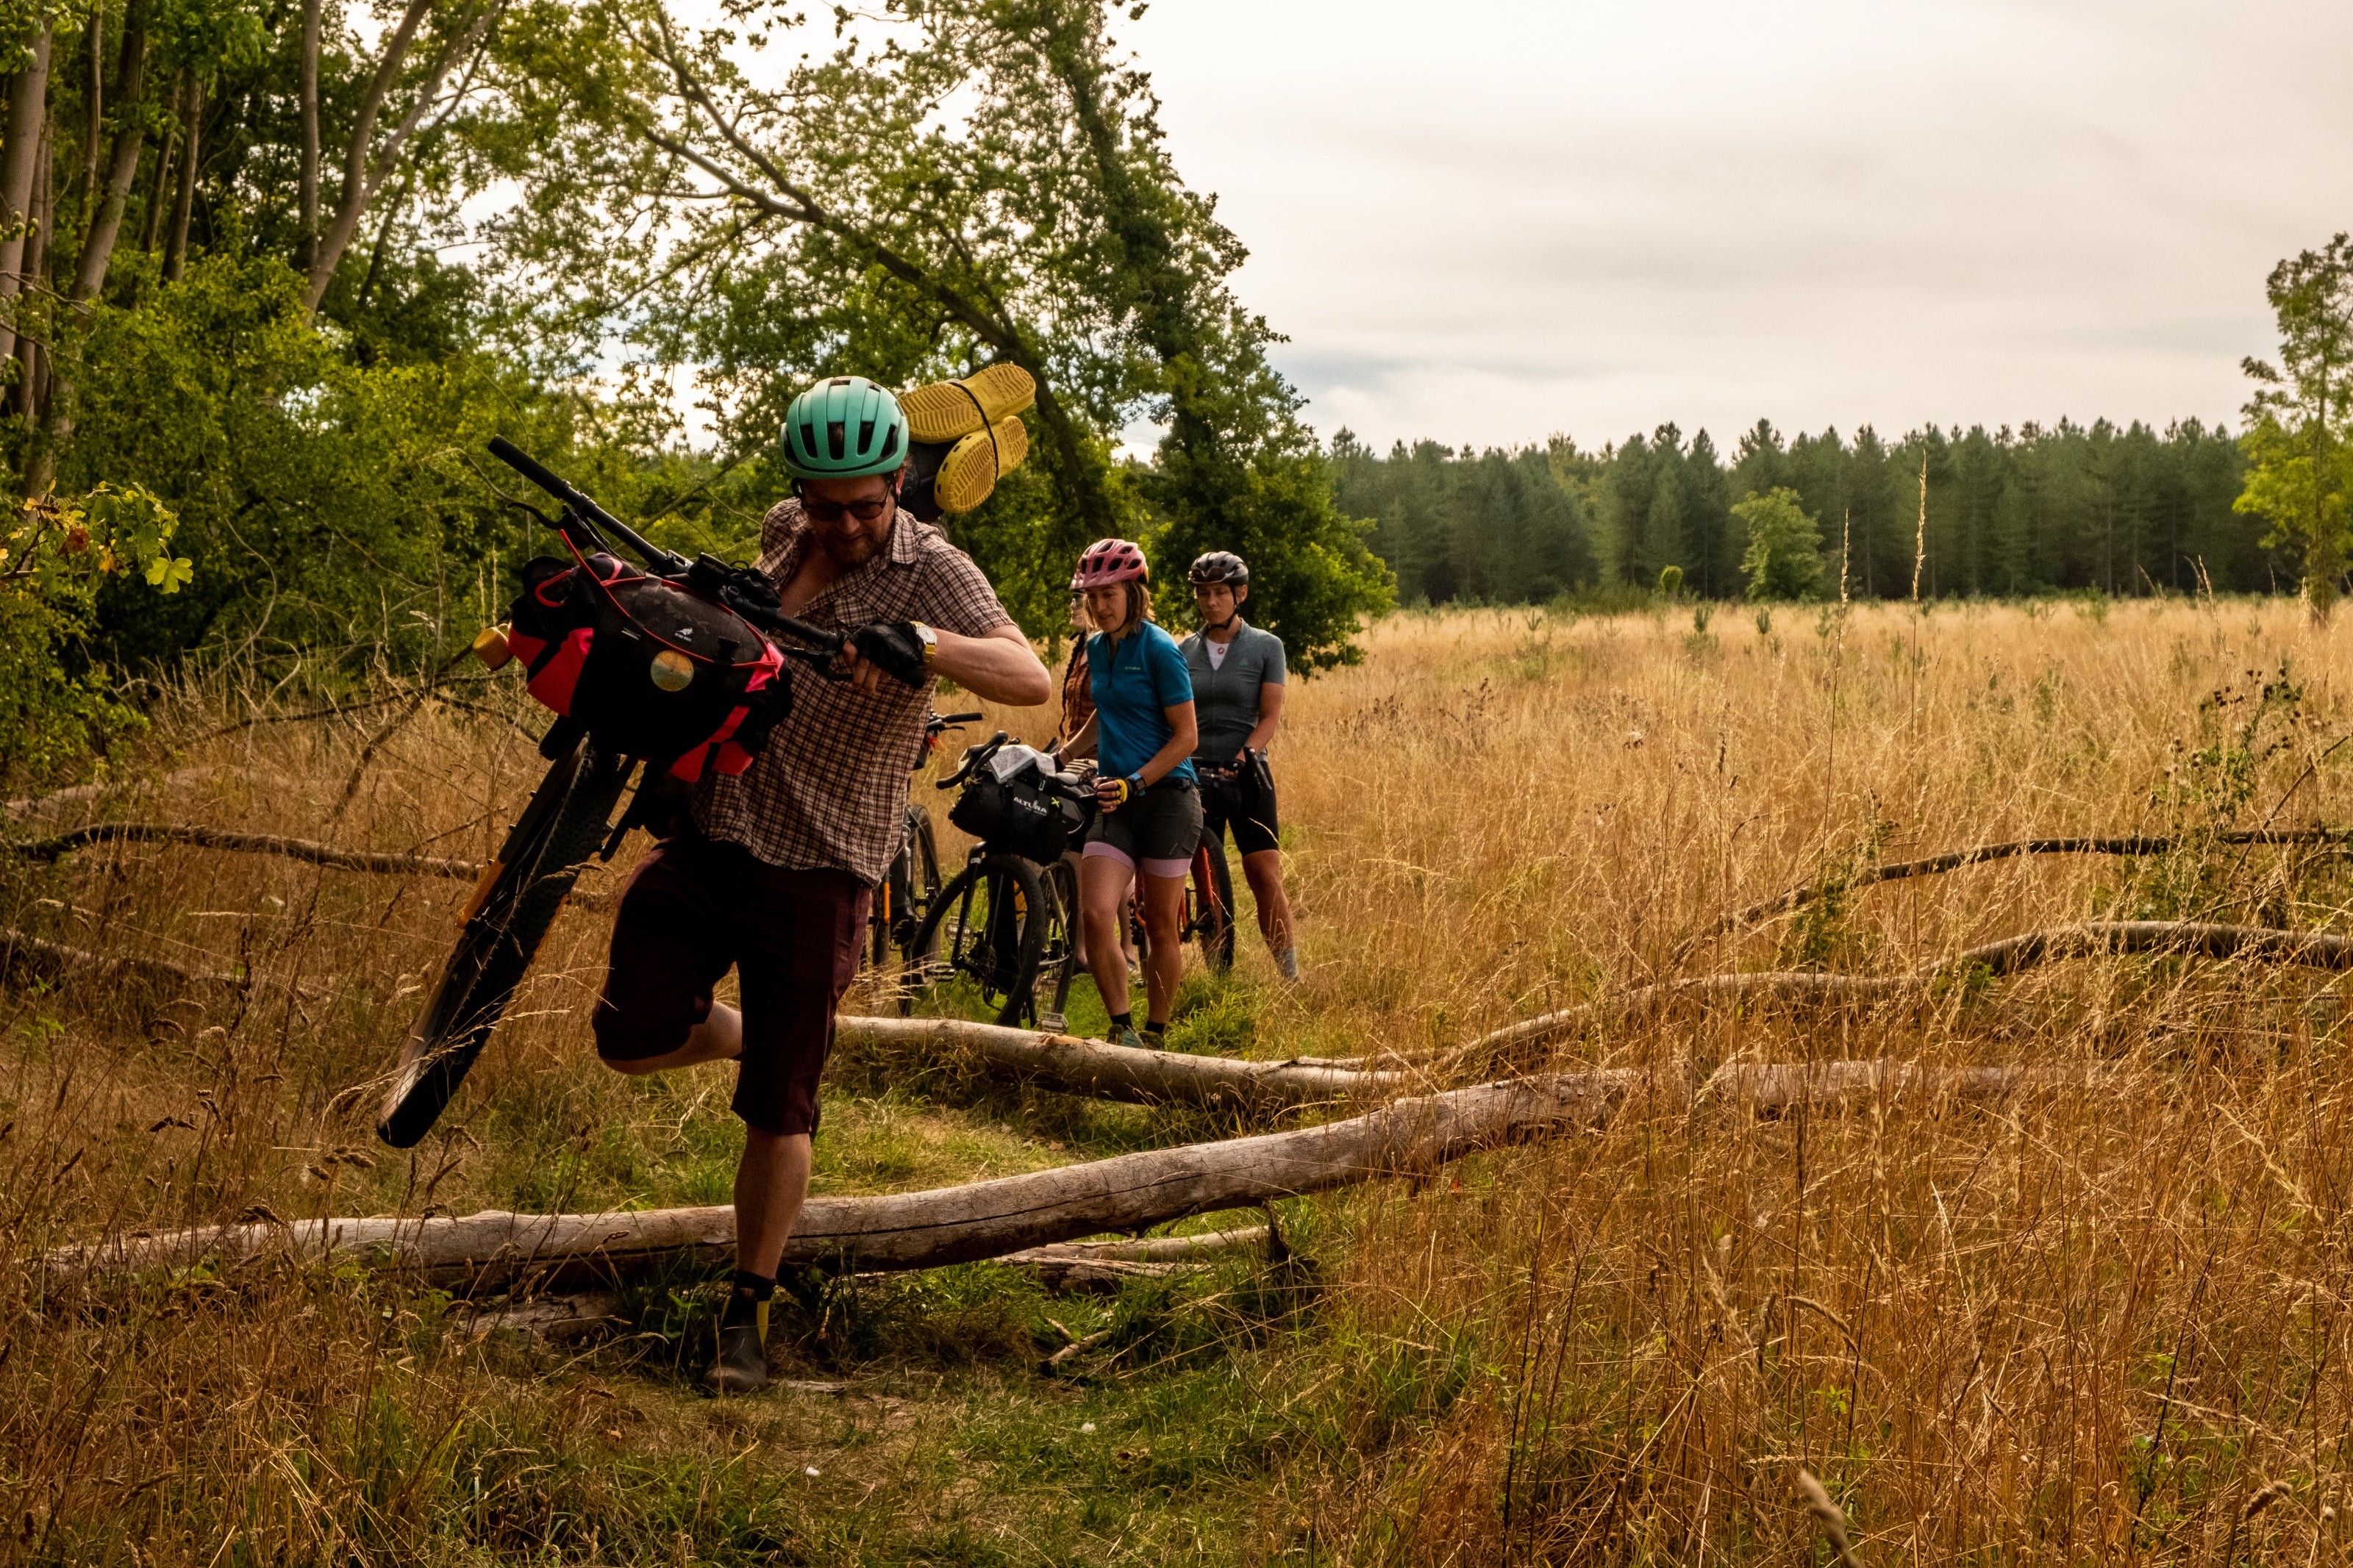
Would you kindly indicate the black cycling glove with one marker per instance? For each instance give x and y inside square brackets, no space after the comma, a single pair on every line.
[896,647]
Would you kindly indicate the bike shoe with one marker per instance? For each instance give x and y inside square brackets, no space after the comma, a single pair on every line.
[971,470]
[1155,1039]
[944,410]
[741,1366]
[1130,1040]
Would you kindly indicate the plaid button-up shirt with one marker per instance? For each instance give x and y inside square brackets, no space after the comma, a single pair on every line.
[830,788]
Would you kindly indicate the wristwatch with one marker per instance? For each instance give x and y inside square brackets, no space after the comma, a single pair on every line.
[929,638]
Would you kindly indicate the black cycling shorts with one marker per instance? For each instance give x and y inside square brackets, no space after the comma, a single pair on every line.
[1157,830]
[1245,805]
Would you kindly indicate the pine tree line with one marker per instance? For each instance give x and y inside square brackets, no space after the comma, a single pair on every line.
[2126,510]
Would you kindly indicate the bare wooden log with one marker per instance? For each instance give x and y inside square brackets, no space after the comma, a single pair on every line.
[2009,955]
[1780,1086]
[1952,860]
[1106,1071]
[308,849]
[24,957]
[1149,1250]
[927,1229]
[1109,1265]
[1025,1215]
[82,795]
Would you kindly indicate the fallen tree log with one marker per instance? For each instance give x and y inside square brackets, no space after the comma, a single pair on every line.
[308,849]
[2009,955]
[1105,1071]
[82,795]
[23,957]
[926,1229]
[1781,1086]
[1952,860]
[1021,1216]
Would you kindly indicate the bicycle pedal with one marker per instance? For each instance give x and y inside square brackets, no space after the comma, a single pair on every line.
[1053,1024]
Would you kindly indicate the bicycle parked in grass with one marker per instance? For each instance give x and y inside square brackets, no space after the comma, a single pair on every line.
[1005,923]
[1008,923]
[912,884]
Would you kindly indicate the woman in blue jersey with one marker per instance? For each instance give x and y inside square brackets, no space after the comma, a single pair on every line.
[1150,823]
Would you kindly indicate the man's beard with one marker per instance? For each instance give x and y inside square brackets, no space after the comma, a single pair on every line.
[852,551]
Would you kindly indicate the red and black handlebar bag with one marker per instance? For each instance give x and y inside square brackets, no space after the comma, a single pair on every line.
[652,669]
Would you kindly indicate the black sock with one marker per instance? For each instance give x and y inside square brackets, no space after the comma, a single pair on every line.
[1122,1020]
[745,1293]
[1151,1028]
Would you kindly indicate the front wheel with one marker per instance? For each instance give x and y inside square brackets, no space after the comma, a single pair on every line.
[988,927]
[514,904]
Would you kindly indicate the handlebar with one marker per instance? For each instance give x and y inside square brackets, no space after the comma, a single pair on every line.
[941,724]
[661,562]
[739,588]
[973,756]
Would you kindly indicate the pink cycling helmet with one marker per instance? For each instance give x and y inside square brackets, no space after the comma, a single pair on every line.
[1110,561]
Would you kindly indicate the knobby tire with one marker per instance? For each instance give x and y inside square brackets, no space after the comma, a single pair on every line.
[564,824]
[1001,958]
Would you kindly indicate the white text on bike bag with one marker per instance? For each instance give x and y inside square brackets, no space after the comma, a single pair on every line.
[652,670]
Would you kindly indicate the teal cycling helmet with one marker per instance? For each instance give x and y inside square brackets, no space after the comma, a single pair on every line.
[845,427]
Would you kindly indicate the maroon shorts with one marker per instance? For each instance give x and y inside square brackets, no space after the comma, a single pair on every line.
[693,908]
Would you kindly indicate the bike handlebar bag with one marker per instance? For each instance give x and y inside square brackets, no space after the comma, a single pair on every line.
[1025,814]
[652,669]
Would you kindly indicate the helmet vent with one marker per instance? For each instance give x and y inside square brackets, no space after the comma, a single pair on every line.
[837,439]
[890,442]
[865,433]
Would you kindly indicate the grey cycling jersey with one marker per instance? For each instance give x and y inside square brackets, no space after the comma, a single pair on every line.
[1225,697]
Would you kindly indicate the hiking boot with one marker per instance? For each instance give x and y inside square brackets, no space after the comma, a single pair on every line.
[944,410]
[741,1365]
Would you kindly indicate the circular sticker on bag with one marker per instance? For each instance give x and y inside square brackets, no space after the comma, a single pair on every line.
[671,670]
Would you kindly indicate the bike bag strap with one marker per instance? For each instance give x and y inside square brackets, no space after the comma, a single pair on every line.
[1032,814]
[651,668]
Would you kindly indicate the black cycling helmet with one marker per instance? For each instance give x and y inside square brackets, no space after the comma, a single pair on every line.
[1218,566]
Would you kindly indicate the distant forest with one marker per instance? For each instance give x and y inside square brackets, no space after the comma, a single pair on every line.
[2038,510]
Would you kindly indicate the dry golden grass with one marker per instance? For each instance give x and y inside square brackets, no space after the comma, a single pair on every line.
[2075,1325]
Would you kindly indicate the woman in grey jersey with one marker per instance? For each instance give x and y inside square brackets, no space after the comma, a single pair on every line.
[1238,675]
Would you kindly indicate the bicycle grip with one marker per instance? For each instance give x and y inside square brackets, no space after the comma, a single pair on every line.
[514,458]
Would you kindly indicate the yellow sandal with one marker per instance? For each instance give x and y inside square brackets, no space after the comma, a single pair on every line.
[945,410]
[972,467]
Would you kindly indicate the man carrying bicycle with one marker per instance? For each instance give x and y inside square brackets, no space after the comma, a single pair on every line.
[1237,671]
[772,874]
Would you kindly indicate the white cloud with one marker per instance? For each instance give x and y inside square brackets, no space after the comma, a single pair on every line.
[1484,222]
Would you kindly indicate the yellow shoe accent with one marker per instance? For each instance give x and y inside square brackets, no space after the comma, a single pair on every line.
[944,410]
[972,467]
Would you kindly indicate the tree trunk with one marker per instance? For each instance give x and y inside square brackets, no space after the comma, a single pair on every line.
[924,1230]
[306,243]
[175,249]
[367,166]
[27,128]
[160,185]
[309,849]
[34,354]
[1105,1071]
[93,108]
[1014,1215]
[383,235]
[98,251]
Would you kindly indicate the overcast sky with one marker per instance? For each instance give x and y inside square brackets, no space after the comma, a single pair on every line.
[1484,221]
